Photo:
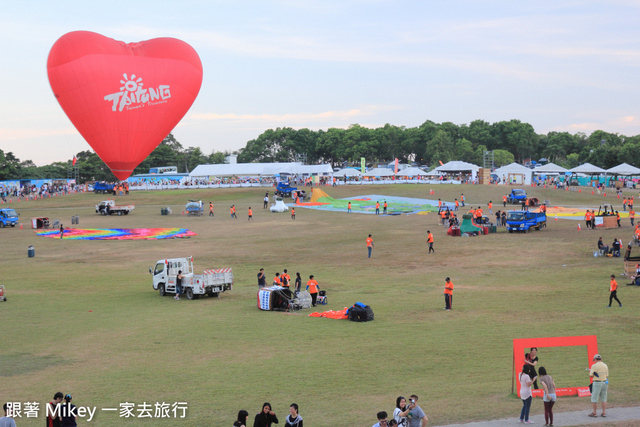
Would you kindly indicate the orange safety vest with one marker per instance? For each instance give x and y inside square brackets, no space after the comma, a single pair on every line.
[443,213]
[349,205]
[504,198]
[276,280]
[430,238]
[313,286]
[457,204]
[369,241]
[377,205]
[210,207]
[490,205]
[613,286]
[448,288]
[250,212]
[293,211]
[632,214]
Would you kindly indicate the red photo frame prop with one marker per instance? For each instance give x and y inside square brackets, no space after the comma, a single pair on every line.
[521,344]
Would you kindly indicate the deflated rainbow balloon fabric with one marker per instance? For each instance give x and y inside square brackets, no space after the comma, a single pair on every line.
[119,233]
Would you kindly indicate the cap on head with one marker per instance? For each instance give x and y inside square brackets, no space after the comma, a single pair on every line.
[597,357]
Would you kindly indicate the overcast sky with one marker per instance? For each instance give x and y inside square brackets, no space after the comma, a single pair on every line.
[560,65]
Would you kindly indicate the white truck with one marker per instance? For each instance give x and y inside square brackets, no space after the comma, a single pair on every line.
[210,282]
[109,207]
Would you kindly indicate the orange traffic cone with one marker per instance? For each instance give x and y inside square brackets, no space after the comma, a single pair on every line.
[592,192]
[605,194]
[579,227]
[20,226]
[579,190]
[557,219]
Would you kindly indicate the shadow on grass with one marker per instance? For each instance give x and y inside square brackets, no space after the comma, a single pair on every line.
[18,364]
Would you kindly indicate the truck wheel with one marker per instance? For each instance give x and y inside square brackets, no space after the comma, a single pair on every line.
[13,225]
[103,212]
[510,231]
[1,224]
[126,212]
[161,289]
[189,293]
[119,212]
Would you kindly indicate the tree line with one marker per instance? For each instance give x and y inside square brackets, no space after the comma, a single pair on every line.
[427,144]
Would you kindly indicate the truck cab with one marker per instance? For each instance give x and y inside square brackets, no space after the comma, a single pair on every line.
[8,217]
[518,195]
[165,272]
[525,220]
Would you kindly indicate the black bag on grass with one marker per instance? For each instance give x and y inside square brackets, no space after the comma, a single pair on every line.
[360,313]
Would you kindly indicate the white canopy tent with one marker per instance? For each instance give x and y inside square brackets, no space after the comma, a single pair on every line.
[411,171]
[457,166]
[514,173]
[348,172]
[379,172]
[550,169]
[258,169]
[588,169]
[624,169]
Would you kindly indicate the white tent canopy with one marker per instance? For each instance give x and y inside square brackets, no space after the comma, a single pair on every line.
[259,169]
[550,168]
[588,169]
[379,172]
[515,173]
[458,166]
[348,172]
[411,171]
[624,169]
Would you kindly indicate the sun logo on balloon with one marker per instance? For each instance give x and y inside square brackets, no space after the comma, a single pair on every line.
[131,84]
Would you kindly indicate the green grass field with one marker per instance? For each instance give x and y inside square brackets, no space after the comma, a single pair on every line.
[82,317]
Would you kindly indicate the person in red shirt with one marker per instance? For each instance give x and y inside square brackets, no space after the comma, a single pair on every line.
[430,242]
[448,294]
[250,214]
[293,214]
[613,290]
[57,420]
[369,245]
[312,287]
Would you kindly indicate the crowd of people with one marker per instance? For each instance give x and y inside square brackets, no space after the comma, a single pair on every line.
[266,417]
[599,373]
[284,280]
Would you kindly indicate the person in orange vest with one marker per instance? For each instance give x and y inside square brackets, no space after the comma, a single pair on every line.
[349,208]
[443,215]
[630,203]
[462,199]
[624,204]
[210,209]
[369,245]
[439,203]
[233,212]
[250,214]
[293,214]
[276,280]
[430,242]
[312,287]
[457,204]
[543,208]
[448,294]
[384,210]
[490,207]
[285,279]
[504,200]
[618,219]
[478,214]
[632,215]
[377,208]
[587,219]
[613,290]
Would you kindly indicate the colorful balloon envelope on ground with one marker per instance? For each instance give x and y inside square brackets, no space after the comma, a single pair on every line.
[124,98]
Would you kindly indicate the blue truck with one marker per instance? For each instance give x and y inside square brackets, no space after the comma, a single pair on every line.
[102,187]
[517,196]
[525,220]
[284,189]
[8,217]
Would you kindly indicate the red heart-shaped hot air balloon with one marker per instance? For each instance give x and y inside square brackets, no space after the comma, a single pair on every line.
[124,98]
